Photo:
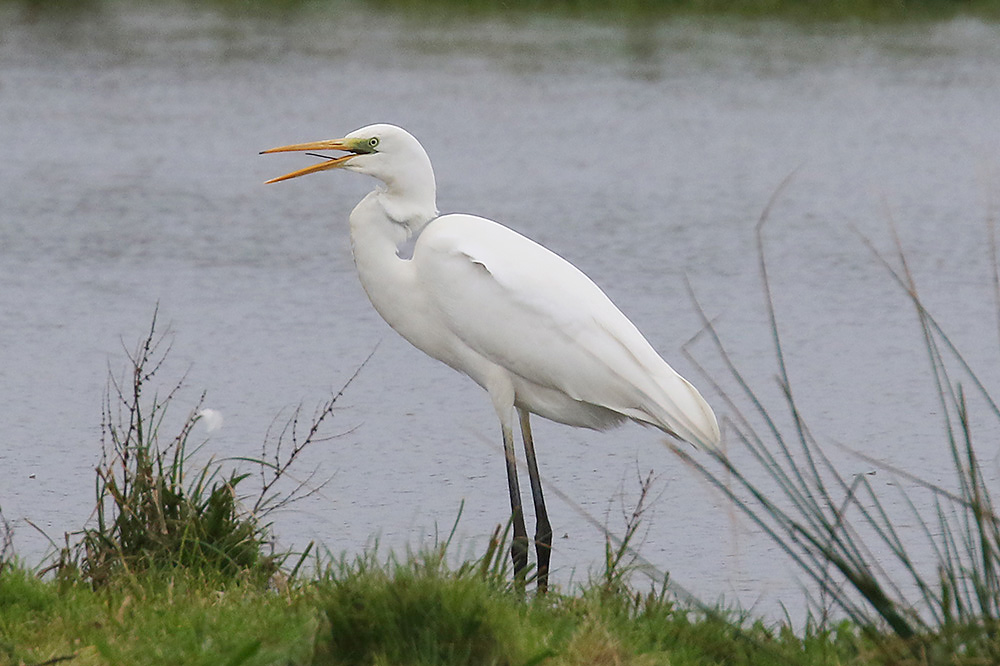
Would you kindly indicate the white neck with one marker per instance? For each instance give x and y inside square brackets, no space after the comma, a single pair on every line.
[407,191]
[409,209]
[396,211]
[376,234]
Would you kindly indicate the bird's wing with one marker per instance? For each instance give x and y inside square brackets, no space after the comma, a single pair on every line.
[532,312]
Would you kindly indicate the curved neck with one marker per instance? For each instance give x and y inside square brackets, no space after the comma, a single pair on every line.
[408,193]
[386,278]
[407,207]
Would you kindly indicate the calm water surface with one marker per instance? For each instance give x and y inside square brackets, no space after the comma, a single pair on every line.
[642,153]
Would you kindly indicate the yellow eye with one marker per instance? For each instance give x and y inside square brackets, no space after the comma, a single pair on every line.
[373,142]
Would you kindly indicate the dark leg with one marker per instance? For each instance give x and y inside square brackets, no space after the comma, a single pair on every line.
[543,530]
[519,547]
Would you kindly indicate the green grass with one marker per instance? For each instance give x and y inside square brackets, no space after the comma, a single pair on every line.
[149,514]
[411,612]
[181,618]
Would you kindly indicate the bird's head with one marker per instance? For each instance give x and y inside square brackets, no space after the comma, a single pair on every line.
[386,152]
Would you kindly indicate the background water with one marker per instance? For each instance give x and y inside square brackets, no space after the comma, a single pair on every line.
[642,152]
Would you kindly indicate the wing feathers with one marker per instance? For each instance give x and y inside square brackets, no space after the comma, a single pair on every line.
[529,311]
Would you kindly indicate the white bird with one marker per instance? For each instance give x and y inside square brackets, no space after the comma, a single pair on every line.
[521,321]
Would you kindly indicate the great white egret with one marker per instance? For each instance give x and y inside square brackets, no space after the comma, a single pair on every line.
[521,321]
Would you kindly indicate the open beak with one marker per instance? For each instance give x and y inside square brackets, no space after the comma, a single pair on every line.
[330,163]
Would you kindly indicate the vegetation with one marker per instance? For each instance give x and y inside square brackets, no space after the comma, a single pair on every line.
[413,612]
[150,515]
[841,532]
[146,517]
[178,567]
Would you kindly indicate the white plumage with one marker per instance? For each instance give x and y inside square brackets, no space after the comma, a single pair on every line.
[521,321]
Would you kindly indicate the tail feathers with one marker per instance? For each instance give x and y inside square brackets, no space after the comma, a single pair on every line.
[684,413]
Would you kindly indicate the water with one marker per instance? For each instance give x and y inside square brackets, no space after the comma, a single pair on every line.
[642,153]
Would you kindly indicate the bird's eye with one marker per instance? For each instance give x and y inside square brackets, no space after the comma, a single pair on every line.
[373,142]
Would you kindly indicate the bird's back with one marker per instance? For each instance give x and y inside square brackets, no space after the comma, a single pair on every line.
[572,355]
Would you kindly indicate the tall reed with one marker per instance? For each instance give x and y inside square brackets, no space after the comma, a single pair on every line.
[840,529]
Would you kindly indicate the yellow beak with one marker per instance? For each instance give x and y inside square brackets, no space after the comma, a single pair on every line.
[330,163]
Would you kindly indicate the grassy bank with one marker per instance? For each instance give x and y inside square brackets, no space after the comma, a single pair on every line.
[410,612]
[413,612]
